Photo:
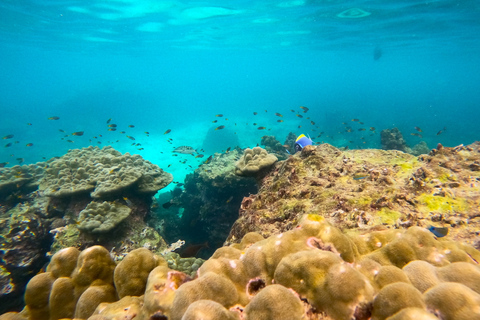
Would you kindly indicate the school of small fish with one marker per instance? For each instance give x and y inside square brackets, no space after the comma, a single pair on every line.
[355,125]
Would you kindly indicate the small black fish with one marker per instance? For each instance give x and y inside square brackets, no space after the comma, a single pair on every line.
[167,205]
[438,231]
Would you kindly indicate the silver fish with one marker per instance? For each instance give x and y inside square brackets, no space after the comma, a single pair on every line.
[184,150]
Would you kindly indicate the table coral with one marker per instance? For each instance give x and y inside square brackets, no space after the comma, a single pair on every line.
[102,217]
[101,172]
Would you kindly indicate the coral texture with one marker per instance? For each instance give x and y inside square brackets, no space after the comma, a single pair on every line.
[102,217]
[101,172]
[254,162]
[311,272]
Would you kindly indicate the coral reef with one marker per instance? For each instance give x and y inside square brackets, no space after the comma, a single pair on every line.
[314,271]
[254,163]
[369,189]
[48,206]
[102,217]
[102,172]
[392,139]
[210,202]
[272,145]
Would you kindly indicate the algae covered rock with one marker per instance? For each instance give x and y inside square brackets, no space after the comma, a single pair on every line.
[363,189]
[254,162]
[102,217]
[101,172]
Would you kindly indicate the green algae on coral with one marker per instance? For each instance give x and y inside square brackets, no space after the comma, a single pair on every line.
[438,204]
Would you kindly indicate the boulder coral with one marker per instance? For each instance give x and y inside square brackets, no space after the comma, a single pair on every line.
[313,271]
[254,163]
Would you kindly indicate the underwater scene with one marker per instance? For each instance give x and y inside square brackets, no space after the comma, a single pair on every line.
[255,160]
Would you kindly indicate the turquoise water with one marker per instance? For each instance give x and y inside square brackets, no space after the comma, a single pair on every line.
[173,65]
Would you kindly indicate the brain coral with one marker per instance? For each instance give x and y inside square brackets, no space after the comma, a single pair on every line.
[101,172]
[254,162]
[102,217]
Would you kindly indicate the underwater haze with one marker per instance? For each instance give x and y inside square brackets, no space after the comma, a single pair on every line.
[216,75]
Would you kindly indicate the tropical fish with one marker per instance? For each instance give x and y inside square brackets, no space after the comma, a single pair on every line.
[109,120]
[112,125]
[71,141]
[168,131]
[440,132]
[208,159]
[29,144]
[219,115]
[418,129]
[279,120]
[9,136]
[214,121]
[61,130]
[299,115]
[192,250]
[255,113]
[131,126]
[372,128]
[416,135]
[127,201]
[362,129]
[78,133]
[313,123]
[228,149]
[114,129]
[278,114]
[439,232]
[301,142]
[199,156]
[3,164]
[360,176]
[219,128]
[184,150]
[130,137]
[355,120]
[305,109]
[53,118]
[261,128]
[29,124]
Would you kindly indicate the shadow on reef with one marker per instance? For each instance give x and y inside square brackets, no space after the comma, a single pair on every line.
[204,211]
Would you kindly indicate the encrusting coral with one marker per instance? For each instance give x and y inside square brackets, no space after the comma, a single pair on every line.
[311,272]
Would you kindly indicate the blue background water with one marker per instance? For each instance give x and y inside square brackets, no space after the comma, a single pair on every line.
[174,65]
